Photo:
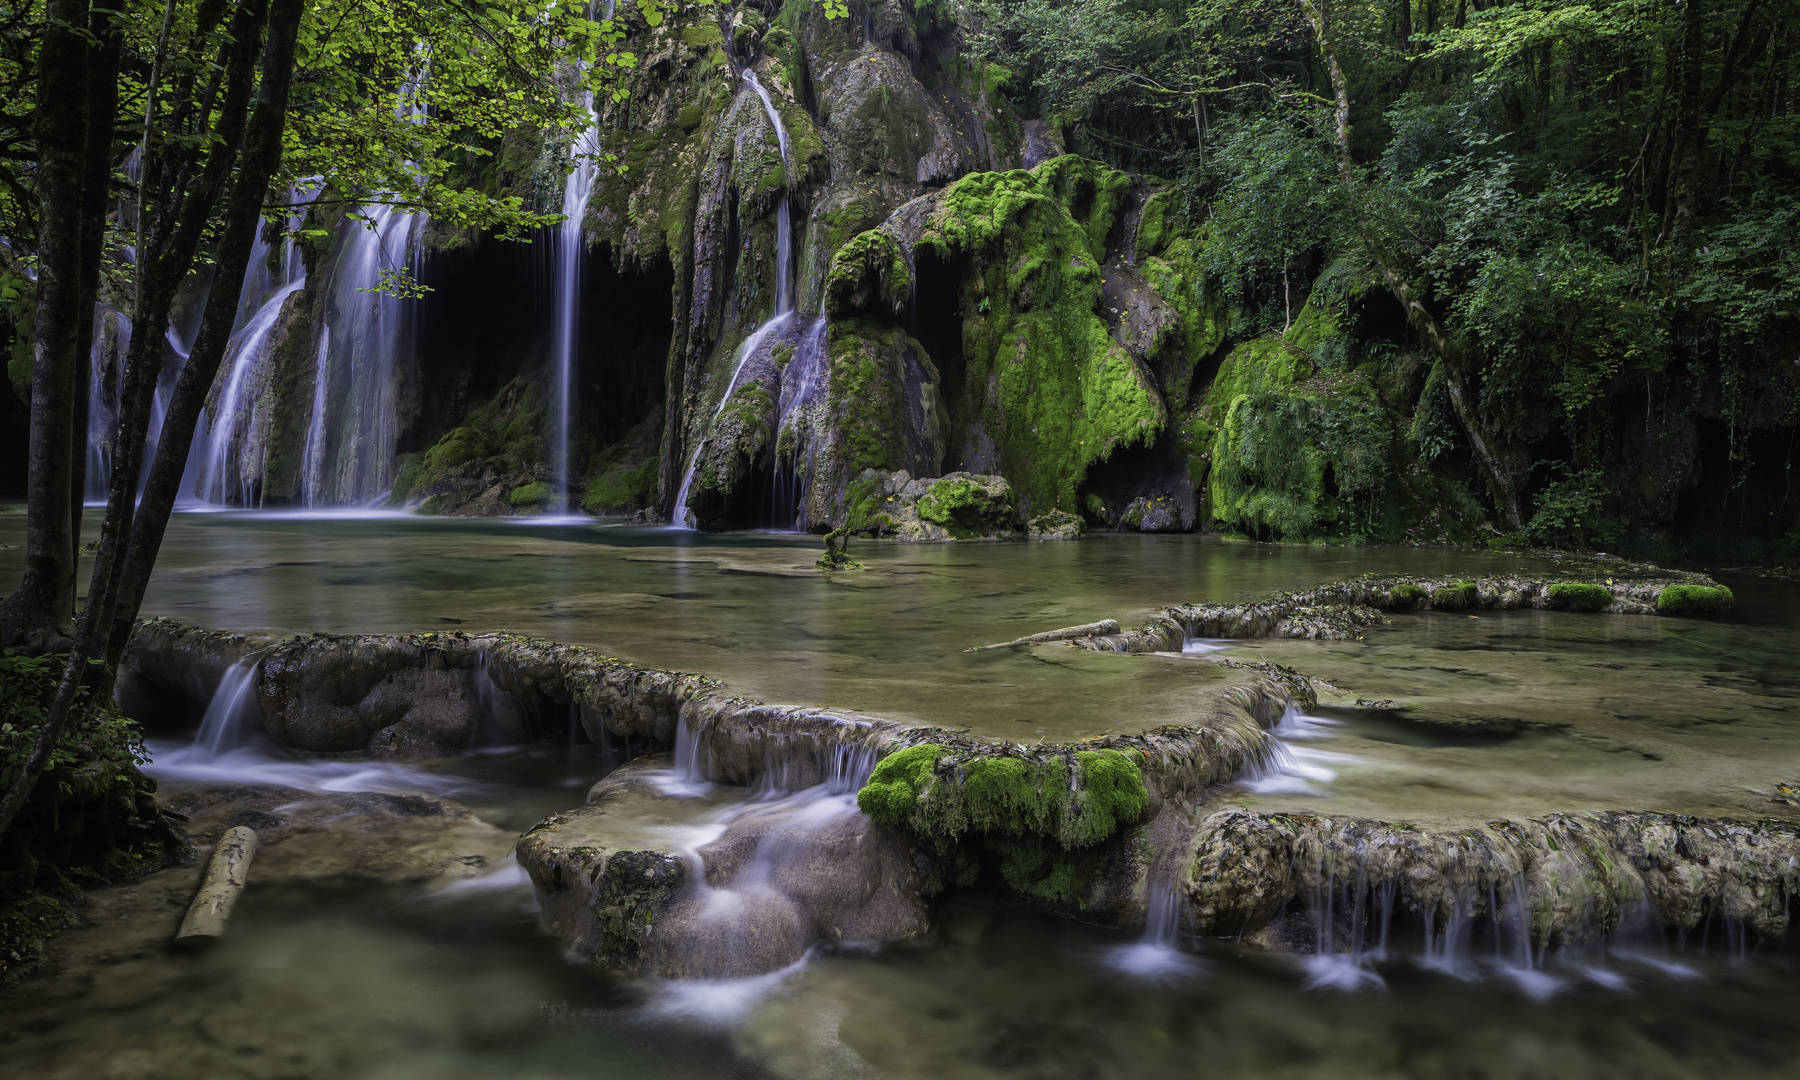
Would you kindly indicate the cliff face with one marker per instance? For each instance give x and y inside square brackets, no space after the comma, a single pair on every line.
[827,252]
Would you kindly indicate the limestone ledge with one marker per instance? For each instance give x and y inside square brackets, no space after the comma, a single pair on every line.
[1339,611]
[432,694]
[1572,878]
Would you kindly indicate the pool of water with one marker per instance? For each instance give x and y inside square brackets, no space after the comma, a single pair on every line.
[1435,717]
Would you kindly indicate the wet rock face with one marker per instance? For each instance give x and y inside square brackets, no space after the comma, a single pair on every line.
[1571,878]
[775,879]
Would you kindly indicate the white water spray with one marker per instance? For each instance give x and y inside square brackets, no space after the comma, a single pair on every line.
[784,303]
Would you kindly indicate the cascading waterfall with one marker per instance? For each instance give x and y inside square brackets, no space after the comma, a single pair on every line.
[365,336]
[784,303]
[312,459]
[231,456]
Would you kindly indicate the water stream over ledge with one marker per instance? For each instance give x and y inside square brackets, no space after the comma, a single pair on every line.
[1462,720]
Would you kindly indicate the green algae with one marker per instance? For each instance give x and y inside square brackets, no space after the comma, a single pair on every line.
[1454,597]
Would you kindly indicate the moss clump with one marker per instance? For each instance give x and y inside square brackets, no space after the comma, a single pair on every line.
[868,274]
[1693,600]
[1580,595]
[1462,594]
[893,788]
[701,35]
[1051,387]
[970,506]
[535,493]
[1407,594]
[1076,800]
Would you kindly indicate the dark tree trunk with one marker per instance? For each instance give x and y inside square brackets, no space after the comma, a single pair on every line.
[36,616]
[243,216]
[102,103]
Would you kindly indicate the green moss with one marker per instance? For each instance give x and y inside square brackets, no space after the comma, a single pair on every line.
[969,508]
[868,274]
[1067,393]
[1693,600]
[868,394]
[1462,594]
[689,118]
[702,35]
[893,789]
[532,494]
[1408,594]
[1580,595]
[1074,800]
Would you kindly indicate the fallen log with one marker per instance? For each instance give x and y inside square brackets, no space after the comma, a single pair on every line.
[226,876]
[1104,626]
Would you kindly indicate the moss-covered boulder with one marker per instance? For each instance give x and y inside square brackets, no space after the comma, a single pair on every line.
[968,506]
[491,464]
[1694,599]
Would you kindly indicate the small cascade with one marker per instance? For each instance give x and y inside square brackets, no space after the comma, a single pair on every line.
[1342,915]
[784,302]
[233,719]
[567,246]
[803,383]
[1289,769]
[1157,955]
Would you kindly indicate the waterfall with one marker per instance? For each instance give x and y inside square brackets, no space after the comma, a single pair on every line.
[313,458]
[365,337]
[106,362]
[232,455]
[232,716]
[568,244]
[784,302]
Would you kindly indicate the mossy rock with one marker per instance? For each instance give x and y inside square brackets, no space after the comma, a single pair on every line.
[1408,595]
[1462,594]
[535,493]
[1580,595]
[1074,800]
[970,506]
[1693,600]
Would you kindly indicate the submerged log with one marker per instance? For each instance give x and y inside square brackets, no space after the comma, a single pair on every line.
[1104,626]
[226,876]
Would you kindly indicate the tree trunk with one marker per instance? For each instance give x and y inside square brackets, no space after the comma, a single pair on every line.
[243,216]
[1418,316]
[102,103]
[36,616]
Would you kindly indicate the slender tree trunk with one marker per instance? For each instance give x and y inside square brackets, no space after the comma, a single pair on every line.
[102,103]
[36,616]
[1418,316]
[243,216]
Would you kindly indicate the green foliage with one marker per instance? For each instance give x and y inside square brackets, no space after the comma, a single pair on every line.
[1693,600]
[1572,510]
[27,685]
[1580,595]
